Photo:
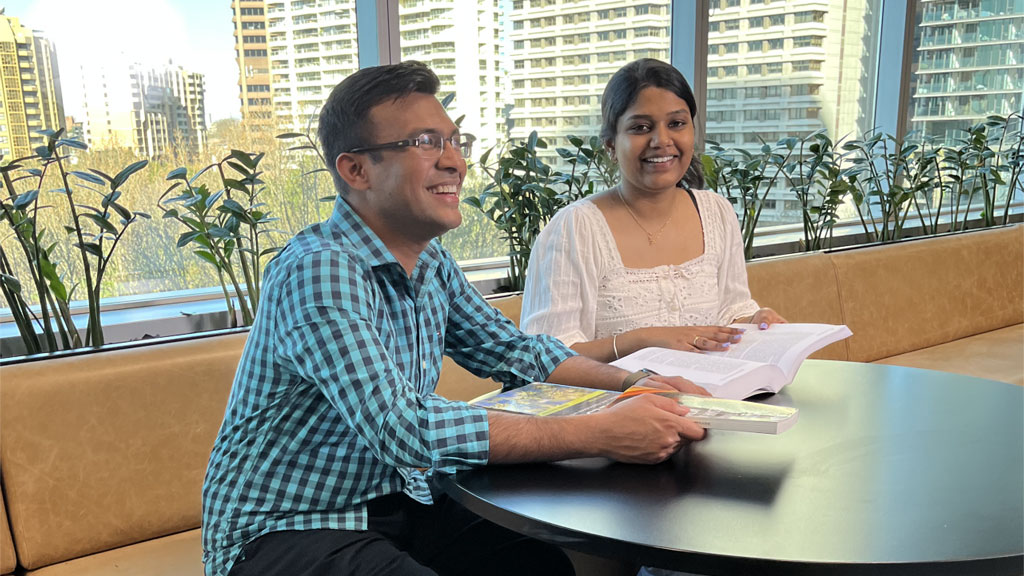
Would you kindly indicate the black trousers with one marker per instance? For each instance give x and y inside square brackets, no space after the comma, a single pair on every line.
[404,537]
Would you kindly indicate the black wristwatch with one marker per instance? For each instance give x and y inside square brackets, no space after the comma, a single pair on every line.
[636,377]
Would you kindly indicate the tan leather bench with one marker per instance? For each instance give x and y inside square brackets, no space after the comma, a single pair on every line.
[104,455]
[953,303]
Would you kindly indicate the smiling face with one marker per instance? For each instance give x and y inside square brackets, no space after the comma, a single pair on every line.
[653,142]
[409,197]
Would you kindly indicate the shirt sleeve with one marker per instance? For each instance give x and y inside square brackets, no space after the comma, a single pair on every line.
[329,336]
[482,340]
[733,293]
[560,296]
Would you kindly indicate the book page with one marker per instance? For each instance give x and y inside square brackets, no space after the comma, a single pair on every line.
[782,345]
[722,377]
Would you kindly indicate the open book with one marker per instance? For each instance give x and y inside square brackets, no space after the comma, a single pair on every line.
[544,399]
[763,361]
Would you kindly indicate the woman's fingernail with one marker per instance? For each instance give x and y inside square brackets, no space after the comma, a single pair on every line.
[725,344]
[736,337]
[764,325]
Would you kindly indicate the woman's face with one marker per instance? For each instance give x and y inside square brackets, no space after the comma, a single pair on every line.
[653,141]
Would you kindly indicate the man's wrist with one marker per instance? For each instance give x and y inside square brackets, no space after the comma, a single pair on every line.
[635,377]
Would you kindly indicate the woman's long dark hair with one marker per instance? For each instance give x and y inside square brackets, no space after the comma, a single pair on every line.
[622,91]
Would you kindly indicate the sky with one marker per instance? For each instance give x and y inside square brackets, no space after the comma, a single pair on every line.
[195,34]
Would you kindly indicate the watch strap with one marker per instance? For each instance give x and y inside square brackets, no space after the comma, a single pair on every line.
[635,377]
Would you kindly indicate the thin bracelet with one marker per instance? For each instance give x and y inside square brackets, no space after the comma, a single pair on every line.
[614,347]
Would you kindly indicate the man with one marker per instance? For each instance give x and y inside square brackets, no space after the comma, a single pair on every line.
[332,434]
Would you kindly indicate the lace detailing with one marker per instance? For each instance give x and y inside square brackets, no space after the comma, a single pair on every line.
[671,295]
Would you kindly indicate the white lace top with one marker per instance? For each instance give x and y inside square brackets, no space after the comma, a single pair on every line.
[577,288]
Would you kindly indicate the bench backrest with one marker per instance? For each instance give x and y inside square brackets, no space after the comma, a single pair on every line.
[107,449]
[900,297]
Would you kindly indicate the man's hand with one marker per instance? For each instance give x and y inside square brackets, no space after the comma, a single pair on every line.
[677,383]
[646,429]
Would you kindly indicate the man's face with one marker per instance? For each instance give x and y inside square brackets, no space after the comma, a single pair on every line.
[413,196]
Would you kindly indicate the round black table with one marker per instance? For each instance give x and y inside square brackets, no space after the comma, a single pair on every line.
[889,470]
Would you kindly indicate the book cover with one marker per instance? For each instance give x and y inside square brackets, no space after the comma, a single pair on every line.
[546,399]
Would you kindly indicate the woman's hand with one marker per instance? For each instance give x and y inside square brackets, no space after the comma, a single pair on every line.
[764,318]
[688,338]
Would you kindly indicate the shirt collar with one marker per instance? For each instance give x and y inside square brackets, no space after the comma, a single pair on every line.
[349,226]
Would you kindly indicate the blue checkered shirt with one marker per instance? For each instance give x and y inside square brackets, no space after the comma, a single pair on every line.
[333,403]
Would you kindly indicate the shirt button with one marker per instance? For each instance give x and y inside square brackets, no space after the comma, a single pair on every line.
[674,307]
[424,364]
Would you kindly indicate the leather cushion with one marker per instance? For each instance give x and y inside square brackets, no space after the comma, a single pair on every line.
[175,555]
[996,355]
[921,293]
[7,559]
[801,288]
[107,449]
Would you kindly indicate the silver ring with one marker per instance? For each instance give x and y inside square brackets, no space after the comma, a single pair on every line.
[695,338]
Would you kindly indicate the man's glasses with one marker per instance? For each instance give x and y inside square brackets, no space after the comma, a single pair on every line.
[430,145]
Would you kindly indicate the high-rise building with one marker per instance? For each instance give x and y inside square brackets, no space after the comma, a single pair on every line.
[563,55]
[778,69]
[31,99]
[151,111]
[251,54]
[788,68]
[312,46]
[969,64]
[461,41]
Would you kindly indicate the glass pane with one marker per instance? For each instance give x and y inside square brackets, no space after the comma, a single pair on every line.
[780,69]
[526,65]
[969,63]
[183,92]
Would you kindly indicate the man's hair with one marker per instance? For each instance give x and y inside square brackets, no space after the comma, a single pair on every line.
[624,88]
[345,118]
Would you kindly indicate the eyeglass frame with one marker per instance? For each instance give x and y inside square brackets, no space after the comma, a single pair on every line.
[415,143]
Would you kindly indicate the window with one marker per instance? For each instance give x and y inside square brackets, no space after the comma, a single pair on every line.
[778,93]
[955,83]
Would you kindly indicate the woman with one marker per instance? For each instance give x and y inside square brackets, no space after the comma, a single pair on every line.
[646,263]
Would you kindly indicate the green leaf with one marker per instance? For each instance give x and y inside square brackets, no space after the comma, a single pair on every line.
[186,238]
[11,282]
[112,197]
[87,177]
[207,256]
[172,213]
[91,248]
[220,232]
[101,175]
[123,175]
[290,135]
[447,100]
[273,250]
[178,174]
[143,215]
[235,184]
[72,144]
[102,222]
[24,200]
[121,211]
[244,158]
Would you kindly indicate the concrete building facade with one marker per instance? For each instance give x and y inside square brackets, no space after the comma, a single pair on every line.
[31,99]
